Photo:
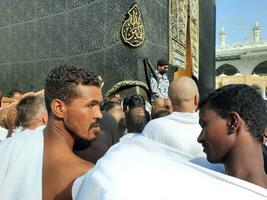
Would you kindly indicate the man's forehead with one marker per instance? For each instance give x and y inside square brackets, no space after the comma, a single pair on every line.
[208,113]
[81,87]
[163,65]
[89,91]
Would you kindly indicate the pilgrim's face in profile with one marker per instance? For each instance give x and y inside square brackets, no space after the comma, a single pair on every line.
[214,136]
[83,112]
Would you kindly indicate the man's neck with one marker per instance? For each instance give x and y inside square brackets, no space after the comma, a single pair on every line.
[187,109]
[161,73]
[246,162]
[55,129]
[33,125]
[60,165]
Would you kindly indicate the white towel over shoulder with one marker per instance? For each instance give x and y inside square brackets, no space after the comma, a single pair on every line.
[21,160]
[140,168]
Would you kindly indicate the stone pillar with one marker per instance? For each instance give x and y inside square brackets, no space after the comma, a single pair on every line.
[207,13]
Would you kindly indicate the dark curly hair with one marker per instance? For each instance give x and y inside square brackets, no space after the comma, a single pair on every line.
[244,100]
[135,101]
[61,83]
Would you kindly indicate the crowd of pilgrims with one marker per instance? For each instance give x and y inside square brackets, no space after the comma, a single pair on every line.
[223,134]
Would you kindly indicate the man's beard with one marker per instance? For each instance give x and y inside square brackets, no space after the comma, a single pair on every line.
[162,72]
[79,142]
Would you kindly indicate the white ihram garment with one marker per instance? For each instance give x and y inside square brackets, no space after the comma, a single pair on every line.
[178,130]
[3,133]
[140,168]
[21,160]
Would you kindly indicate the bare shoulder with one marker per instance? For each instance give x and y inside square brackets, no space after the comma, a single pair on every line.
[60,175]
[61,167]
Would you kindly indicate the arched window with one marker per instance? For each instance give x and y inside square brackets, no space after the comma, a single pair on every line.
[226,69]
[261,69]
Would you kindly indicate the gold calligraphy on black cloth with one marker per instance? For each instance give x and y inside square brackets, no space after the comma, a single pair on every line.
[132,31]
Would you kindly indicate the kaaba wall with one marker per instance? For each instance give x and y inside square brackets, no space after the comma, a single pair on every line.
[36,35]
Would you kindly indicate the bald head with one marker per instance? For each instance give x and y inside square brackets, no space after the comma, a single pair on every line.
[161,104]
[158,104]
[183,94]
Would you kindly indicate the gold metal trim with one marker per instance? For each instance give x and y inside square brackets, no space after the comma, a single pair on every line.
[184,35]
[177,31]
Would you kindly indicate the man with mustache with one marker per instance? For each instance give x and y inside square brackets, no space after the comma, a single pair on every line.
[233,120]
[41,165]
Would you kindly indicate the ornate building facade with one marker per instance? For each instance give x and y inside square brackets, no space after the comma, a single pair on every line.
[256,81]
[244,62]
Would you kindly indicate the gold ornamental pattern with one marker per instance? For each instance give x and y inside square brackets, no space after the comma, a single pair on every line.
[194,36]
[177,31]
[180,11]
[133,32]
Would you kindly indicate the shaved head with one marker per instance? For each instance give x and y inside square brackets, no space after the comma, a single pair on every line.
[158,103]
[182,93]
[161,104]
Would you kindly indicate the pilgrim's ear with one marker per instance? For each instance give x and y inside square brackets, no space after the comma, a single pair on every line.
[44,118]
[196,101]
[58,108]
[233,123]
